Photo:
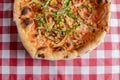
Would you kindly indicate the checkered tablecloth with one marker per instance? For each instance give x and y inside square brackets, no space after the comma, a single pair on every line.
[103,63]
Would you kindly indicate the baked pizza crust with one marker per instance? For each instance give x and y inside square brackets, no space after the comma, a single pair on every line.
[24,38]
[88,46]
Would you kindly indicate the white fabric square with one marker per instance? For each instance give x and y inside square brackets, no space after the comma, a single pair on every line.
[7,6]
[115,69]
[113,8]
[20,69]
[115,54]
[36,70]
[21,54]
[6,22]
[114,22]
[5,54]
[115,37]
[100,54]
[69,70]
[100,69]
[5,37]
[85,70]
[5,70]
[52,70]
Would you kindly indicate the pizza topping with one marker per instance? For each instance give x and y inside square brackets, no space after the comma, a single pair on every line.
[46,4]
[65,25]
[27,21]
[93,30]
[26,10]
[58,49]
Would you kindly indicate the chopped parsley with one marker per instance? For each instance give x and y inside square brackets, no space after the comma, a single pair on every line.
[58,17]
[41,22]
[83,6]
[46,4]
[70,14]
[66,4]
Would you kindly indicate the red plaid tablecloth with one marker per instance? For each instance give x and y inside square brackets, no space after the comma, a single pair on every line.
[103,63]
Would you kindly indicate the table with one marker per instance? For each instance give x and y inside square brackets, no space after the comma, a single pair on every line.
[103,63]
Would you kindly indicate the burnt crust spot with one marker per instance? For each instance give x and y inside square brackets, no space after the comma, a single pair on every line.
[93,31]
[41,56]
[26,10]
[58,49]
[68,44]
[27,21]
[36,35]
[66,56]
[42,48]
[99,1]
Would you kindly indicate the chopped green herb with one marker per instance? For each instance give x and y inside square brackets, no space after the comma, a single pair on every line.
[66,4]
[83,6]
[39,20]
[70,14]
[74,28]
[32,1]
[92,9]
[46,4]
[76,34]
[39,28]
[61,11]
[57,17]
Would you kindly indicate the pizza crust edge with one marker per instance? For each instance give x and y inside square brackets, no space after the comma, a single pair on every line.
[22,35]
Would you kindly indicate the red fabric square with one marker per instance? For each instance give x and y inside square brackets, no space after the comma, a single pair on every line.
[108,46]
[29,62]
[0,76]
[13,45]
[108,62]
[92,77]
[61,63]
[13,76]
[13,30]
[29,77]
[118,15]
[1,14]
[1,1]
[108,77]
[77,62]
[93,62]
[1,29]
[61,77]
[77,77]
[117,1]
[13,62]
[44,76]
[44,62]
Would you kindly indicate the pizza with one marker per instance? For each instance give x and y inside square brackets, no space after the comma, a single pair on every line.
[61,29]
